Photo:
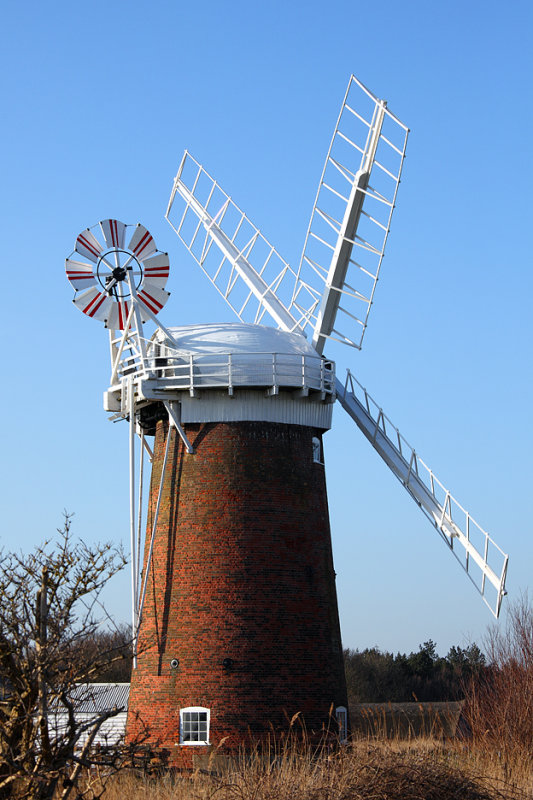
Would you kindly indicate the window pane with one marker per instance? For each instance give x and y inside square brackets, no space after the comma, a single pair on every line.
[194,726]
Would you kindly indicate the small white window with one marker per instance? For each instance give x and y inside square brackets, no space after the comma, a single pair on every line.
[194,725]
[341,715]
[317,450]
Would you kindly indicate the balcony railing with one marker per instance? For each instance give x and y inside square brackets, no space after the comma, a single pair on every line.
[191,372]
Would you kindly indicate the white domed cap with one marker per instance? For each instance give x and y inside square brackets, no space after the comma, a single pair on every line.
[226,372]
[236,337]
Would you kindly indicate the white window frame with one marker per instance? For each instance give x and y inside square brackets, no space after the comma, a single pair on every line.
[194,709]
[341,715]
[317,450]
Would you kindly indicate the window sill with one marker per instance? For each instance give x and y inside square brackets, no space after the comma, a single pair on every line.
[193,744]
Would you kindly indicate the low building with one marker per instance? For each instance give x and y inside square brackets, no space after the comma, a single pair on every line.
[90,700]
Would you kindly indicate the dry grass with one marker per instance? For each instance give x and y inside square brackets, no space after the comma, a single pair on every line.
[393,755]
[406,720]
[364,770]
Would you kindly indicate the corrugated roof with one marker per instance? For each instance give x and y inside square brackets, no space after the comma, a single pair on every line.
[93,698]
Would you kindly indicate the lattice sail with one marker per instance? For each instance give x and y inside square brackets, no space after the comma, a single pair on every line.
[243,266]
[484,562]
[350,220]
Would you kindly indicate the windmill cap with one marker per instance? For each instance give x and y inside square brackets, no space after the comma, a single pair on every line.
[236,337]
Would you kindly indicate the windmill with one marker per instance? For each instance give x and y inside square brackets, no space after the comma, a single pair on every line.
[235,612]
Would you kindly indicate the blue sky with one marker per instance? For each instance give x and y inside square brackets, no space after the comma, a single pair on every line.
[101,99]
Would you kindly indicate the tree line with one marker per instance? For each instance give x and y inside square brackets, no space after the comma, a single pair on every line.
[374,676]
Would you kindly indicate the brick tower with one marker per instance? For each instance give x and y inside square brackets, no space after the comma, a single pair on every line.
[239,627]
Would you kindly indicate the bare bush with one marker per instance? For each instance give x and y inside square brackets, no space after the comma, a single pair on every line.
[49,611]
[111,648]
[499,706]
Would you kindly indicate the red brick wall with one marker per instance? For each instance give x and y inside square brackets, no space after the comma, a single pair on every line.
[241,569]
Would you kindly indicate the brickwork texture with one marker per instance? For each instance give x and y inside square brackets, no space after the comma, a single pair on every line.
[241,588]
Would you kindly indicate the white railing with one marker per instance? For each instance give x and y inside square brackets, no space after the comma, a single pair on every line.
[195,371]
